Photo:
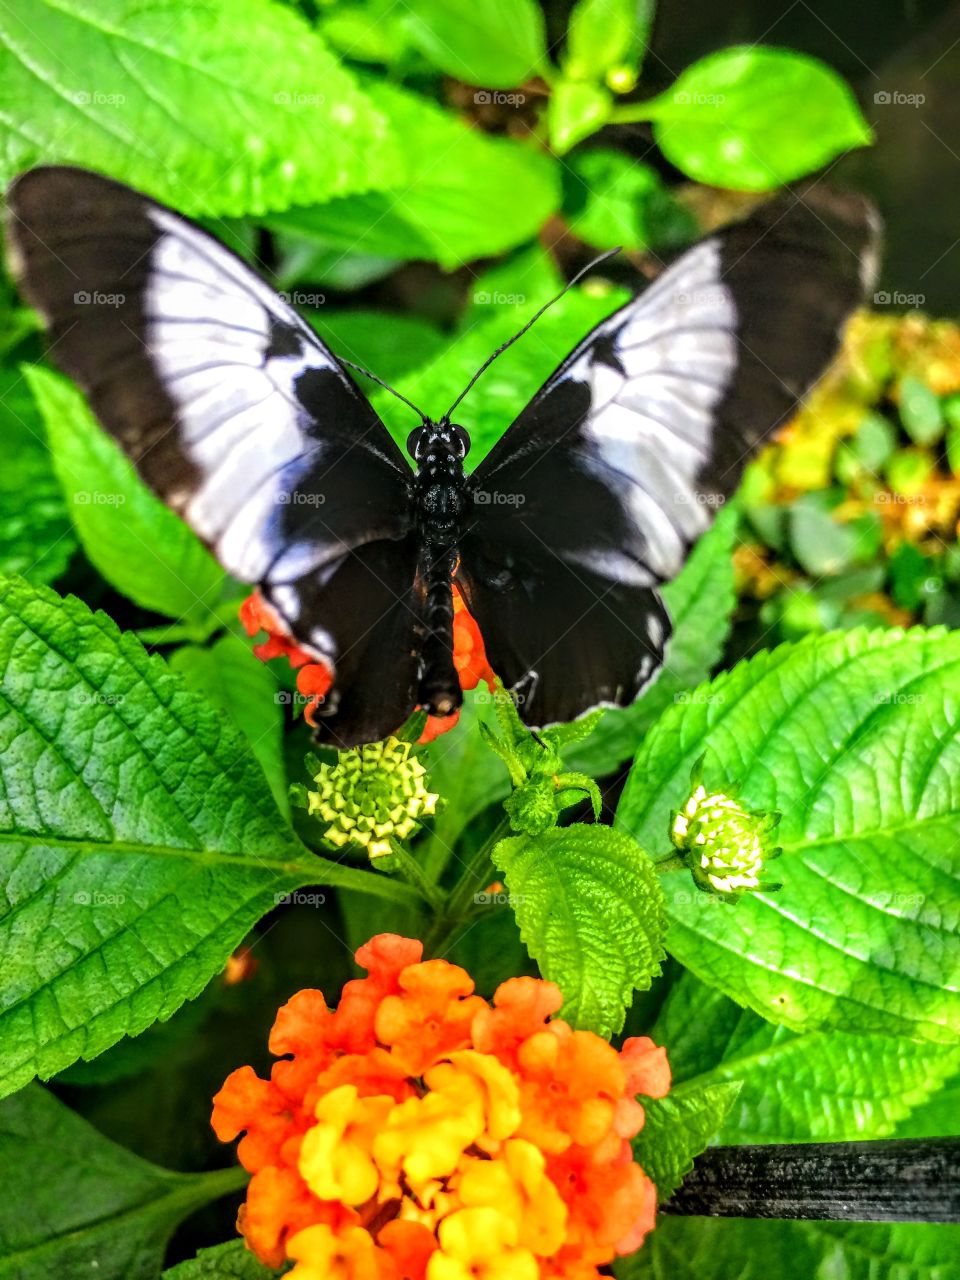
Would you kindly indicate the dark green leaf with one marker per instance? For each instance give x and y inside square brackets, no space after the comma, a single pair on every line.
[138,839]
[73,1204]
[589,907]
[226,107]
[752,118]
[232,1261]
[852,737]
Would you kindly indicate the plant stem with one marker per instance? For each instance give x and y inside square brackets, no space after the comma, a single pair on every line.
[460,899]
[414,874]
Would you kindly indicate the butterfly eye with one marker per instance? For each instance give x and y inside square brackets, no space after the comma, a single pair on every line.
[462,439]
[414,440]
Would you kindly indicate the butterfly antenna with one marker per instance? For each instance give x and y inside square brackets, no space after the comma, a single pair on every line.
[386,386]
[603,257]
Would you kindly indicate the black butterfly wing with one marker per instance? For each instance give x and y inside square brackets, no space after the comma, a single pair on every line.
[595,494]
[234,413]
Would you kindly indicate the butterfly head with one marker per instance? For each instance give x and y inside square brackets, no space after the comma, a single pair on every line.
[438,441]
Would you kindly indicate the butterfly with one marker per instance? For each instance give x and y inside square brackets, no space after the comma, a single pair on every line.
[244,422]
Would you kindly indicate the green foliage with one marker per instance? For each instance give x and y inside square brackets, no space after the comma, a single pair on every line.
[95,1208]
[677,1128]
[716,1249]
[752,118]
[606,36]
[497,43]
[136,542]
[158,96]
[611,200]
[232,1261]
[589,907]
[851,738]
[139,841]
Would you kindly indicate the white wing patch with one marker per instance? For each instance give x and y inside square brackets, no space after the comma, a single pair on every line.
[652,423]
[208,331]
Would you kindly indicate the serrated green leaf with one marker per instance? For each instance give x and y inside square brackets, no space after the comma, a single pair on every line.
[753,118]
[496,43]
[228,107]
[228,674]
[576,110]
[74,1204]
[677,1128]
[853,738]
[589,907]
[700,601]
[465,195]
[136,542]
[36,536]
[717,1249]
[814,1086]
[232,1261]
[138,839]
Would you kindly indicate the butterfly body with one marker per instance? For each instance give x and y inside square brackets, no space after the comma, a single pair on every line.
[241,419]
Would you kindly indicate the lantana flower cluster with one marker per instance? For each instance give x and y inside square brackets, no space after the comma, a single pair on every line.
[421,1132]
[315,678]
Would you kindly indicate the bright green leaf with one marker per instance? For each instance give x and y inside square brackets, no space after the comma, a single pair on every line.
[136,542]
[700,601]
[74,1204]
[232,1261]
[853,738]
[495,43]
[389,345]
[612,199]
[920,411]
[718,1249]
[575,111]
[752,118]
[36,535]
[813,1086]
[589,907]
[466,195]
[604,35]
[225,107]
[246,689]
[138,839]
[677,1128]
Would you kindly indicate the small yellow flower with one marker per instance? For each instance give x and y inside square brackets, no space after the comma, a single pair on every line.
[335,1160]
[371,796]
[725,846]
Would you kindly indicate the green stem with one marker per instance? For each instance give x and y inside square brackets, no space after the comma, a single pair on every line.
[632,113]
[461,897]
[414,874]
[674,863]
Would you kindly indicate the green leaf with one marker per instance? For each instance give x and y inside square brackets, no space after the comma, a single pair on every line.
[74,1204]
[822,545]
[611,199]
[717,1249]
[700,601]
[496,43]
[229,107]
[138,840]
[388,344]
[465,195]
[920,411]
[603,35]
[677,1128]
[813,1086]
[245,689]
[232,1261]
[589,907]
[576,110]
[753,118]
[853,738]
[36,536]
[938,1117]
[136,542]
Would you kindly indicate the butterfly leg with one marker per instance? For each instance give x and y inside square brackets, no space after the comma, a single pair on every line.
[439,689]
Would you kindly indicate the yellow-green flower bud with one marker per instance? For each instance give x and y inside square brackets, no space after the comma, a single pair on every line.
[724,845]
[371,796]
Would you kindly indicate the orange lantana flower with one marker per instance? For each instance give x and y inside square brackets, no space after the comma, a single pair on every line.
[420,1132]
[315,678]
